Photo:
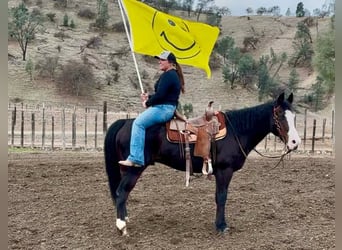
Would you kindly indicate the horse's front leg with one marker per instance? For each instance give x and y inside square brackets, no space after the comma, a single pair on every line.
[128,181]
[223,177]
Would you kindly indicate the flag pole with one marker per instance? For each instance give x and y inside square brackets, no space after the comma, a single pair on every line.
[130,45]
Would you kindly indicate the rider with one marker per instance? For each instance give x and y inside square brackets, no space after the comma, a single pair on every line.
[160,106]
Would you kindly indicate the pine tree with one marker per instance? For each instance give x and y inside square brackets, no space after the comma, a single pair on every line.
[300,10]
[293,81]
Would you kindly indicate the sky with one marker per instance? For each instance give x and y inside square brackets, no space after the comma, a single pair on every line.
[238,7]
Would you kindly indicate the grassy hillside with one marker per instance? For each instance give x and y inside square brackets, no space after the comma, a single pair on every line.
[123,95]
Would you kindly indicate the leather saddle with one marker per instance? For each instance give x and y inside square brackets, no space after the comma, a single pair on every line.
[177,129]
[201,131]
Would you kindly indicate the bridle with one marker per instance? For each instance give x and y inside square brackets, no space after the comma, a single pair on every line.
[282,134]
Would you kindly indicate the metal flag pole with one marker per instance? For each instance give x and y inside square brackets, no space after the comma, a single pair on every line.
[130,45]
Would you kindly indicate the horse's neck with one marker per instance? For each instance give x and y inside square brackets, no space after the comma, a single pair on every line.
[252,124]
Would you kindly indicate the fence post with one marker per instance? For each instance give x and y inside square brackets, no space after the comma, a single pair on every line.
[305,116]
[43,129]
[313,136]
[33,133]
[22,126]
[96,130]
[14,120]
[63,128]
[323,129]
[104,117]
[332,130]
[52,132]
[74,128]
[85,129]
[332,123]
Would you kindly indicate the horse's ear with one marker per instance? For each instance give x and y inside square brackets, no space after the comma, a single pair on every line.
[290,98]
[281,98]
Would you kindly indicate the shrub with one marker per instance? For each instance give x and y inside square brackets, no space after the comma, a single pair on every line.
[118,27]
[187,109]
[75,78]
[51,16]
[86,13]
[72,24]
[61,3]
[29,68]
[39,3]
[47,67]
[61,35]
[66,20]
[215,61]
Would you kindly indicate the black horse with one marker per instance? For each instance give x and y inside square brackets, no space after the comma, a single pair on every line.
[246,128]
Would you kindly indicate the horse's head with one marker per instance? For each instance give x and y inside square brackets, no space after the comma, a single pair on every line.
[284,122]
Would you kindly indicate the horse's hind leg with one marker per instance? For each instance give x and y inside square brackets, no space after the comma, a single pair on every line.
[128,181]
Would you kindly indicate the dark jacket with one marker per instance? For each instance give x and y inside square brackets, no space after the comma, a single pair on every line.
[167,89]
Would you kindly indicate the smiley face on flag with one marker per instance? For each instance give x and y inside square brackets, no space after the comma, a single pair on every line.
[152,31]
[173,34]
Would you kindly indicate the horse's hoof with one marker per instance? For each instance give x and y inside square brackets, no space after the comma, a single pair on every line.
[222,230]
[123,232]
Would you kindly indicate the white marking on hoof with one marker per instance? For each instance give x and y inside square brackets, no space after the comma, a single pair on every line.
[124,232]
[120,224]
[204,169]
[210,167]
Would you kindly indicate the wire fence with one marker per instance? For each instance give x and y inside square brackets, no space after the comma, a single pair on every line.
[59,127]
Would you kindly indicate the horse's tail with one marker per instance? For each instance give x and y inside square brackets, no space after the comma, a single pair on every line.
[111,158]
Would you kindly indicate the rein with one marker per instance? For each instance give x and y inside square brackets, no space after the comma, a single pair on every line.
[278,156]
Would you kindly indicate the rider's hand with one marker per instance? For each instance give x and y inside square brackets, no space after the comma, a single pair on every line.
[143,97]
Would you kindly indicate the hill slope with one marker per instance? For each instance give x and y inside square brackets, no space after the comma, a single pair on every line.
[123,95]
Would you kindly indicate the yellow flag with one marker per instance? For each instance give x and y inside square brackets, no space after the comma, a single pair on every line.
[153,31]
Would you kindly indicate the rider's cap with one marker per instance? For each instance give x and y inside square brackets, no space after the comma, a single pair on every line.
[167,55]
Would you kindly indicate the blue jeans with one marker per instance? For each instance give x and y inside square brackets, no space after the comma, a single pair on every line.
[151,116]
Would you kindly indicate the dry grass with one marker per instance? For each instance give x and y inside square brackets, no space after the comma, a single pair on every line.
[123,94]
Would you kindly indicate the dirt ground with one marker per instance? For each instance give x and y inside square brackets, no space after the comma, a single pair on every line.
[61,200]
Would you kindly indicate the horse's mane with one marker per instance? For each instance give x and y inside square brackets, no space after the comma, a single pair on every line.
[250,117]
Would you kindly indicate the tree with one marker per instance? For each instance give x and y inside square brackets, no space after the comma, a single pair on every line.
[293,81]
[288,12]
[214,15]
[188,6]
[102,14]
[274,10]
[23,26]
[261,10]
[247,69]
[266,84]
[302,45]
[202,5]
[318,94]
[230,68]
[300,10]
[324,59]
[249,11]
[224,45]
